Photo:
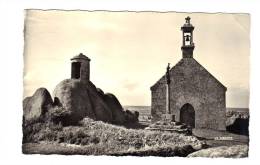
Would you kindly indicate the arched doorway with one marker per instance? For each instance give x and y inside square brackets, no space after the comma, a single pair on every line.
[187,115]
[75,70]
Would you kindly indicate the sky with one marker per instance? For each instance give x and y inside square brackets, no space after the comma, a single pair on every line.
[129,51]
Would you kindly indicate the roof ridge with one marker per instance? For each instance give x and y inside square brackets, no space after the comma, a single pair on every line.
[211,75]
[178,63]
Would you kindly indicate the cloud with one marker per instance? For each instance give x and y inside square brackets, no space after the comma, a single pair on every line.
[130,85]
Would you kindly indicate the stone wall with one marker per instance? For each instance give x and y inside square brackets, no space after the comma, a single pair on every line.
[85,71]
[158,107]
[191,83]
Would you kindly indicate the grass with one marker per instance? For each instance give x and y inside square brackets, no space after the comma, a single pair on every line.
[99,138]
[70,149]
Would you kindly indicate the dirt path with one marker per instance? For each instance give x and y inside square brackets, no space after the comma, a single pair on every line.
[220,138]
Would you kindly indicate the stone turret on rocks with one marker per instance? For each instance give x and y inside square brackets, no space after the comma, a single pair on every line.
[80,67]
[78,98]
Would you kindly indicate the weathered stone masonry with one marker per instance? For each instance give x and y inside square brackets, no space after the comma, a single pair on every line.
[191,86]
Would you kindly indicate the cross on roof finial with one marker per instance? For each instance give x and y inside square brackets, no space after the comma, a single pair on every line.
[187,20]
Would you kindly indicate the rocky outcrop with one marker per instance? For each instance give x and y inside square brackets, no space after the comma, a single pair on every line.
[238,123]
[83,99]
[236,151]
[116,108]
[131,117]
[36,106]
[75,100]
[73,96]
[100,108]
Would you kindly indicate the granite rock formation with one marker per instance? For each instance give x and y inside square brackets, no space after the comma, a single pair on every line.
[238,122]
[36,106]
[73,101]
[116,108]
[236,151]
[73,97]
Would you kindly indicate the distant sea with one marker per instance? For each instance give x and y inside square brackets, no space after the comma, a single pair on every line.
[146,110]
[143,110]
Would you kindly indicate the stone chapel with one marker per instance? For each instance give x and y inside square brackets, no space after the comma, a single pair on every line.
[188,93]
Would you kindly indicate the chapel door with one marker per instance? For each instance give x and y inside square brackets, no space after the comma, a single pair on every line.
[187,115]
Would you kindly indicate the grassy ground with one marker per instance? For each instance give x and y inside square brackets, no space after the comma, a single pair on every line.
[72,149]
[98,138]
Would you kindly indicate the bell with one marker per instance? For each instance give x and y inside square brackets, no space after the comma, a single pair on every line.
[187,38]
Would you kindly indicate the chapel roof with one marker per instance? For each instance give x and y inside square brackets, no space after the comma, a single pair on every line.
[181,62]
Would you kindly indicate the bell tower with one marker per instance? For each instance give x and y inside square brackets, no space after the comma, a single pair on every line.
[187,39]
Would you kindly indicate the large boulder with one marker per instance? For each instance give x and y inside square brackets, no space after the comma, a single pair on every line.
[238,123]
[101,109]
[236,151]
[81,99]
[36,106]
[73,96]
[116,108]
[131,117]
[75,100]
